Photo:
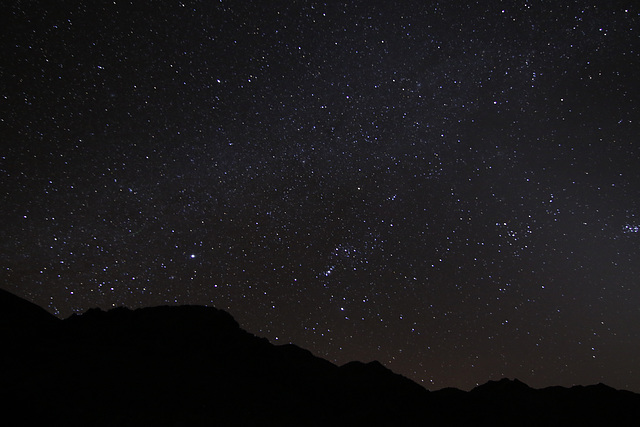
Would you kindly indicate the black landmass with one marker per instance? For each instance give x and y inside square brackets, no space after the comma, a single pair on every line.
[195,366]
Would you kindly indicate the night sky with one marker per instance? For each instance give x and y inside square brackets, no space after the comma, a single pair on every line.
[452,189]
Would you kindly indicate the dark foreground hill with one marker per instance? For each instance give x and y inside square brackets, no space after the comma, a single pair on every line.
[194,366]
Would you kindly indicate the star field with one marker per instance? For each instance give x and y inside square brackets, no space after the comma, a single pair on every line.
[451,189]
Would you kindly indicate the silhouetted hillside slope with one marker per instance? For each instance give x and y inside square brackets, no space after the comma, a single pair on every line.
[191,366]
[17,312]
[23,327]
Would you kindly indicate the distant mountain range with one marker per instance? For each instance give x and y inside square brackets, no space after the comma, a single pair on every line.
[195,366]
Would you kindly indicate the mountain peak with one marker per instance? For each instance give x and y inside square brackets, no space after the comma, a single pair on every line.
[502,386]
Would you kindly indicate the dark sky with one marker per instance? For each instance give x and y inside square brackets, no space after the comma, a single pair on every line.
[452,189]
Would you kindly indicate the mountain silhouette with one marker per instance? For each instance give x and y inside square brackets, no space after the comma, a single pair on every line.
[195,366]
[15,311]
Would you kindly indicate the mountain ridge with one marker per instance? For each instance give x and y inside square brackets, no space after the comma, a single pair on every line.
[194,365]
